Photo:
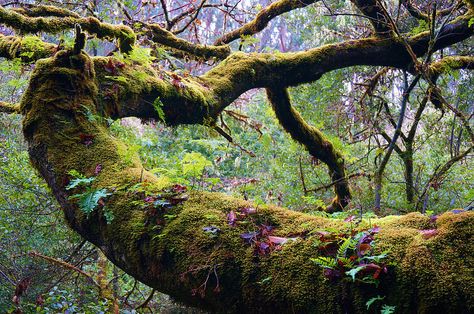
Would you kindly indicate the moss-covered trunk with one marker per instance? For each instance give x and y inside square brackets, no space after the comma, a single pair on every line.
[196,253]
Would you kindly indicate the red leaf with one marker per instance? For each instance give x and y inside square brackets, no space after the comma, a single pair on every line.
[20,289]
[231,218]
[426,234]
[364,248]
[39,300]
[98,169]
[178,188]
[248,210]
[350,218]
[110,67]
[86,139]
[277,240]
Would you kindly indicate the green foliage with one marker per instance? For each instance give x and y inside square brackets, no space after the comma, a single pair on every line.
[325,262]
[141,56]
[194,164]
[373,300]
[78,180]
[248,40]
[89,200]
[158,106]
[388,309]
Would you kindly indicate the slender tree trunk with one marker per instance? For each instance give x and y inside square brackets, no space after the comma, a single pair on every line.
[409,180]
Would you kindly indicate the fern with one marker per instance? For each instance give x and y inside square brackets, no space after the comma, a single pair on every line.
[89,200]
[388,309]
[158,105]
[79,180]
[347,244]
[325,262]
[354,271]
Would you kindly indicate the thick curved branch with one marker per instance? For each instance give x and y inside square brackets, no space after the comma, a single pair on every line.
[53,25]
[263,18]
[314,141]
[198,99]
[200,256]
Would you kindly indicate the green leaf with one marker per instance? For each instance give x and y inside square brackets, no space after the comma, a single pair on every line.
[325,262]
[348,243]
[88,201]
[78,182]
[194,164]
[388,309]
[141,56]
[372,300]
[109,215]
[158,105]
[353,272]
[119,79]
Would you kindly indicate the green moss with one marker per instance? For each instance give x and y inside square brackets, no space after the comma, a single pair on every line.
[178,256]
[54,25]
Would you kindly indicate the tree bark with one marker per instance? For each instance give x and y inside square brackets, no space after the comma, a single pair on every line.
[196,256]
[409,183]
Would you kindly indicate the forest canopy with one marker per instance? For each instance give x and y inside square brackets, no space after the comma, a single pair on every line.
[289,156]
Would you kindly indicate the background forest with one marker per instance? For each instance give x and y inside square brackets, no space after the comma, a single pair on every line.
[356,108]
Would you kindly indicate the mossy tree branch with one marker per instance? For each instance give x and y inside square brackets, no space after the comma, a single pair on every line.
[45,11]
[166,38]
[314,141]
[28,48]
[54,25]
[9,108]
[220,272]
[198,99]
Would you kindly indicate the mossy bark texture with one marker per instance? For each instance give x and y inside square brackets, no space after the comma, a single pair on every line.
[195,254]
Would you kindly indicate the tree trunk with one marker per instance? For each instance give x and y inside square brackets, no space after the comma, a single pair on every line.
[409,182]
[193,253]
